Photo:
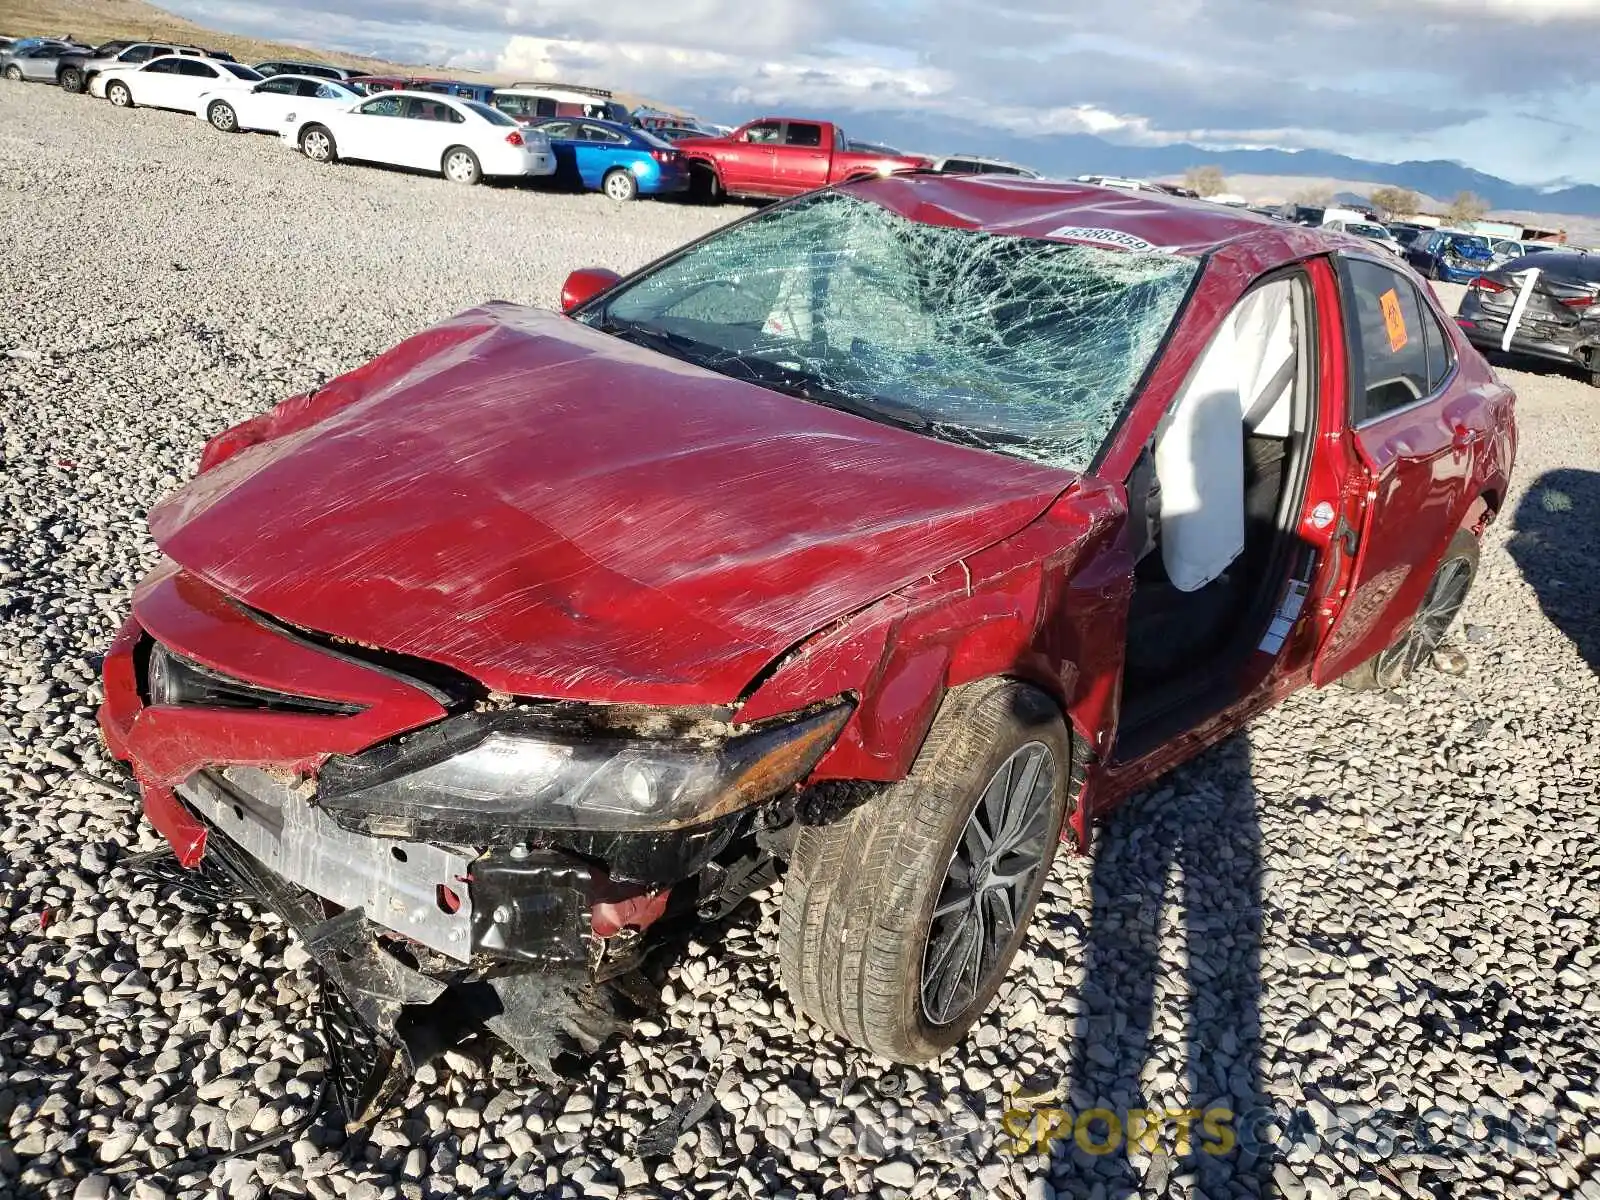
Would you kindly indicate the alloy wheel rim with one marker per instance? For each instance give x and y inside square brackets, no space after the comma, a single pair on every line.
[316,146]
[222,117]
[459,167]
[1444,599]
[993,868]
[617,187]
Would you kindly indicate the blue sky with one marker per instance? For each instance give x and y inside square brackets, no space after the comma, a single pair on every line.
[1507,86]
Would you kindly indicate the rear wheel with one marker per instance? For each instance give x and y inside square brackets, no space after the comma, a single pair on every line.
[119,95]
[461,165]
[71,79]
[222,116]
[316,143]
[1442,603]
[900,920]
[620,184]
[705,184]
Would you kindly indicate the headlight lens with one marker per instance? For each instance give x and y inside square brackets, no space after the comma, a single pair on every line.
[519,780]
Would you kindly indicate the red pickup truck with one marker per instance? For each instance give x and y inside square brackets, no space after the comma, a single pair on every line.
[777,156]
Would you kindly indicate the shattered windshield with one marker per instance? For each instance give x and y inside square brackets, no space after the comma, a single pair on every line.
[1019,345]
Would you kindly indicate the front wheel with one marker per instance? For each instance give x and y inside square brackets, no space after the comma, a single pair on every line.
[14,73]
[1442,603]
[316,143]
[461,165]
[620,185]
[901,919]
[119,95]
[222,116]
[71,80]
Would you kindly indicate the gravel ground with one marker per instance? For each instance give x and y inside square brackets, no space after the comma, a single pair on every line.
[1366,925]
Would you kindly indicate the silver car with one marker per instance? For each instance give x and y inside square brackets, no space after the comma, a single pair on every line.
[36,63]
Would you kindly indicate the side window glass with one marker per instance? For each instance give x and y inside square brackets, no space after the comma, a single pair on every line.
[764,133]
[162,66]
[1389,347]
[557,129]
[547,107]
[798,134]
[137,54]
[1441,351]
[326,92]
[384,106]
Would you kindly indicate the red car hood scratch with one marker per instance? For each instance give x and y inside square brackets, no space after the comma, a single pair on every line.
[560,513]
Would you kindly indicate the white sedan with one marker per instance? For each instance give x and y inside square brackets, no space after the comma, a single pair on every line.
[426,131]
[172,81]
[274,103]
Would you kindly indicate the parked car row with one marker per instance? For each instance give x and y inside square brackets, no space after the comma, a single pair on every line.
[582,137]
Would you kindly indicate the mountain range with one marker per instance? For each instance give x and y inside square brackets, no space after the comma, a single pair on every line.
[1079,154]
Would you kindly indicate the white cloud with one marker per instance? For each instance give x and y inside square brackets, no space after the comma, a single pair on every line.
[1353,75]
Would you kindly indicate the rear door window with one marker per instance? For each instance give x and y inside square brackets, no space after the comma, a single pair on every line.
[800,133]
[1390,331]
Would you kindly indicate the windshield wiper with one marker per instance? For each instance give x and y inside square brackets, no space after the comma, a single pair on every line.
[675,344]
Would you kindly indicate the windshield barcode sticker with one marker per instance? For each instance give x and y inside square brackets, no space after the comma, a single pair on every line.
[1113,238]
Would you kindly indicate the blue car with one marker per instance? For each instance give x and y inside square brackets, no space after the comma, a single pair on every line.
[1452,257]
[603,156]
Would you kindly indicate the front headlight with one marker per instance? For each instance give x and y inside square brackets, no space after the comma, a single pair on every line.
[515,780]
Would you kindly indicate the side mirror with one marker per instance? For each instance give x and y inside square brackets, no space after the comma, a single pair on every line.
[584,284]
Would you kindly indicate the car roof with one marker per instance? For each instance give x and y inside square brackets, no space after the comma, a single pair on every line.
[345,83]
[417,94]
[1009,204]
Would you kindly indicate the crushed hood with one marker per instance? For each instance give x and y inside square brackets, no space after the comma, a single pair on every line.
[560,513]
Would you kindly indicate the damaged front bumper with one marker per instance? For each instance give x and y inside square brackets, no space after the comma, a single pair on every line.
[418,945]
[450,864]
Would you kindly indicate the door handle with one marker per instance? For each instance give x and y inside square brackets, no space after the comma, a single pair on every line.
[1462,438]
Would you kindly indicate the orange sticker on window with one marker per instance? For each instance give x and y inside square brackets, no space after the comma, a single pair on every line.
[1394,321]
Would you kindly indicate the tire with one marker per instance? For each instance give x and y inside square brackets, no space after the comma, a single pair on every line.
[858,936]
[460,165]
[705,184]
[222,117]
[1440,606]
[620,185]
[72,80]
[14,73]
[119,95]
[317,144]
[1591,368]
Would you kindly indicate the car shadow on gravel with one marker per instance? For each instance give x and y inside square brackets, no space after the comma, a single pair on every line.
[1177,1081]
[1555,542]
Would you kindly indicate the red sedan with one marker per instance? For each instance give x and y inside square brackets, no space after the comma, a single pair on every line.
[884,538]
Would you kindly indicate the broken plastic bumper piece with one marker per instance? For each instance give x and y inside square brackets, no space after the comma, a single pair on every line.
[393,926]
